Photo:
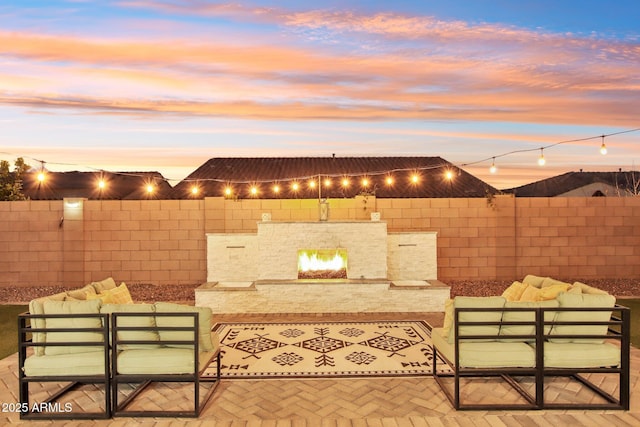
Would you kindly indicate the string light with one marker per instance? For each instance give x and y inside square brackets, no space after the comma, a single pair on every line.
[541,160]
[389,180]
[345,182]
[195,190]
[449,175]
[295,186]
[102,184]
[254,190]
[603,148]
[150,188]
[365,182]
[312,184]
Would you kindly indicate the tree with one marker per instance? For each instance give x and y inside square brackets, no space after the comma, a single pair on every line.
[11,181]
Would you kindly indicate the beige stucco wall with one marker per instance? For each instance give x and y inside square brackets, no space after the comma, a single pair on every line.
[164,241]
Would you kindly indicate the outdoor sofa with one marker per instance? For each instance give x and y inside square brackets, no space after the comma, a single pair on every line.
[539,331]
[97,335]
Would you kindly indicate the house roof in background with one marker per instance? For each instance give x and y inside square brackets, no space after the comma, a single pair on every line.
[118,185]
[613,183]
[242,173]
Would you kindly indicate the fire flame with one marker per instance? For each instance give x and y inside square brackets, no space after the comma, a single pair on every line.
[312,261]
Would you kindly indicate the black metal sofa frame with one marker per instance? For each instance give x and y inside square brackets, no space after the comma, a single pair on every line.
[618,330]
[109,379]
[144,380]
[47,408]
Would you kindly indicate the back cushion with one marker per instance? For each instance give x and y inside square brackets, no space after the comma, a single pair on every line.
[72,307]
[145,320]
[204,324]
[526,316]
[36,307]
[582,300]
[104,285]
[480,317]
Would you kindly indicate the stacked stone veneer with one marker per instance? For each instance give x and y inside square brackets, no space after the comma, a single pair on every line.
[272,253]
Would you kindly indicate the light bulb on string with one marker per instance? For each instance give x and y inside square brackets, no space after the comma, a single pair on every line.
[541,159]
[603,148]
[493,168]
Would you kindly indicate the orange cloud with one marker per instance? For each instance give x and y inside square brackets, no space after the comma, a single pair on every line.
[448,70]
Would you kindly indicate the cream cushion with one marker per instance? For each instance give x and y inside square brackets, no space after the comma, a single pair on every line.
[486,354]
[89,363]
[526,316]
[586,289]
[36,307]
[480,316]
[204,324]
[72,308]
[145,320]
[582,300]
[104,285]
[580,355]
[161,361]
[448,317]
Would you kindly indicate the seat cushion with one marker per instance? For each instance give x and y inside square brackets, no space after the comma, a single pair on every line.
[72,308]
[580,355]
[165,360]
[88,363]
[492,354]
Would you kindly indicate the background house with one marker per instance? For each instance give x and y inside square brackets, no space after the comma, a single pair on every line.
[583,184]
[96,186]
[339,177]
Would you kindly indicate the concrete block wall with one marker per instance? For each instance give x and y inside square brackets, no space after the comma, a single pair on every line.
[164,241]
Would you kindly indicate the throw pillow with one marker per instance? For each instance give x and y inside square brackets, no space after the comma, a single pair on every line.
[531,293]
[514,292]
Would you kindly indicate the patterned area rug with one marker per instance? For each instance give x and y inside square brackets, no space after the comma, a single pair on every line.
[328,349]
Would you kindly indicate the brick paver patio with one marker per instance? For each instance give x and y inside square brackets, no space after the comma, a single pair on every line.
[383,402]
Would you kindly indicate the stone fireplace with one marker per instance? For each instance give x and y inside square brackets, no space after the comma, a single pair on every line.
[378,271]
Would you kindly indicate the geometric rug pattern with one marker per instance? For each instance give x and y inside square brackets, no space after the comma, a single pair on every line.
[326,349]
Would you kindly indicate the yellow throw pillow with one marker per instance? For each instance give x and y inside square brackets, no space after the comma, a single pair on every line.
[548,281]
[117,295]
[531,293]
[551,292]
[532,280]
[448,317]
[514,292]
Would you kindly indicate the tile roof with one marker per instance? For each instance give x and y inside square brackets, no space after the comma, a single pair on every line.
[241,173]
[619,182]
[118,185]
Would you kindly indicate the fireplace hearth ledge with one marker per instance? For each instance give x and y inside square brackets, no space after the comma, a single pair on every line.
[323,296]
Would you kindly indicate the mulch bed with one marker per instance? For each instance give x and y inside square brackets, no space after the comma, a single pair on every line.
[185,293]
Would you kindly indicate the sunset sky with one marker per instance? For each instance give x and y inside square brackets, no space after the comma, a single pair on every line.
[164,85]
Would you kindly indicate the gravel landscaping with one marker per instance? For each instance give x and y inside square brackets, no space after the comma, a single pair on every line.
[185,293]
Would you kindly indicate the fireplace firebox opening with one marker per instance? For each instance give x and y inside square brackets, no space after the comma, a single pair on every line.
[322,263]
